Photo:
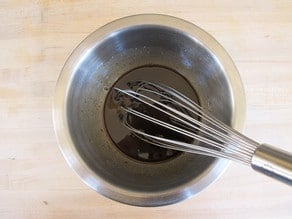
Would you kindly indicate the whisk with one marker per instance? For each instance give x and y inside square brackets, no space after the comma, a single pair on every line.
[210,136]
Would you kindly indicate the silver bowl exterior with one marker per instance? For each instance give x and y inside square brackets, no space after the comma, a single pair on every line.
[93,68]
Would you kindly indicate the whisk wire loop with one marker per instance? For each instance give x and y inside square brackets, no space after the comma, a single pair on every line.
[188,118]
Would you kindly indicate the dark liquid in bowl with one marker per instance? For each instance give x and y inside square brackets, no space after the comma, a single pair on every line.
[131,145]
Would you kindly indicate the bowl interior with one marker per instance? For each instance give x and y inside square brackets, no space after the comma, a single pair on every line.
[97,70]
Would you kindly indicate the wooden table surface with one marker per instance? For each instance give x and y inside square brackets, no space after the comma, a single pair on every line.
[36,37]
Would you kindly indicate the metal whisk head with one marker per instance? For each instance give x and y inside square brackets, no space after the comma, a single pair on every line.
[155,102]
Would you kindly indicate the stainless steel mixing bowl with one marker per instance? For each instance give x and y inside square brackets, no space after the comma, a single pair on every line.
[93,68]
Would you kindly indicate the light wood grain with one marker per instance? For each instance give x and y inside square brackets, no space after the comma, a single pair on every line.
[36,37]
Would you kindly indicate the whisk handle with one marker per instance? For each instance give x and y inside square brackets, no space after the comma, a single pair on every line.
[273,162]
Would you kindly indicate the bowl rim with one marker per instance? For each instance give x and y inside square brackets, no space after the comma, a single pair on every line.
[61,128]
